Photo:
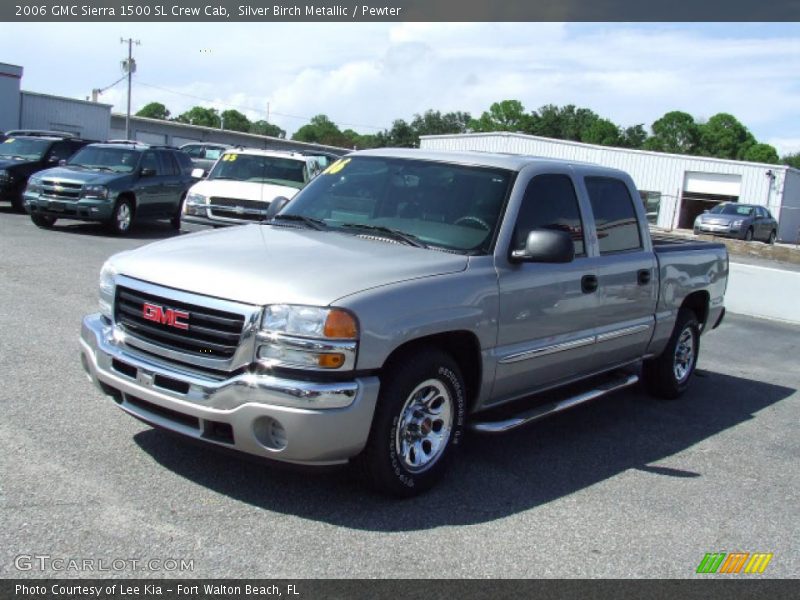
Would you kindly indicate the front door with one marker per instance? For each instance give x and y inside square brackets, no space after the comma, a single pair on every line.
[546,311]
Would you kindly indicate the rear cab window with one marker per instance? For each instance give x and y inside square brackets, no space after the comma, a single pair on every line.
[614,215]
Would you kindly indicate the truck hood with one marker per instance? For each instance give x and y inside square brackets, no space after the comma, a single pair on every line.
[267,264]
[242,190]
[80,175]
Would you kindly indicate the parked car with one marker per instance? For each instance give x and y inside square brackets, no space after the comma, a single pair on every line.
[204,155]
[26,152]
[113,182]
[400,297]
[243,183]
[742,221]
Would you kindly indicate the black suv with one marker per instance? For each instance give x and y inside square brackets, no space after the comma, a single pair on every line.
[112,182]
[23,153]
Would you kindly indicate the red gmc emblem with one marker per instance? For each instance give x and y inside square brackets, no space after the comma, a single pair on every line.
[165,316]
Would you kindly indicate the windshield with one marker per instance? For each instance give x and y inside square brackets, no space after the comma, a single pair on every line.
[24,148]
[732,209]
[449,206]
[260,169]
[118,160]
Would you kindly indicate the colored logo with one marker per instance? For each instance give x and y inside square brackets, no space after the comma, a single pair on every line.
[735,562]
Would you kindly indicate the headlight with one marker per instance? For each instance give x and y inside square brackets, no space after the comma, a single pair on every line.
[195,204]
[737,223]
[107,288]
[34,186]
[97,192]
[307,337]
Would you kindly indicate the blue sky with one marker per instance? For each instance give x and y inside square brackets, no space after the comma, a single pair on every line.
[365,75]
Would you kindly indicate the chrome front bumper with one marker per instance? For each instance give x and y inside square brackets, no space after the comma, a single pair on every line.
[321,423]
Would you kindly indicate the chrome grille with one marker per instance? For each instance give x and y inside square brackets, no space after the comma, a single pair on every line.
[61,189]
[211,333]
[233,208]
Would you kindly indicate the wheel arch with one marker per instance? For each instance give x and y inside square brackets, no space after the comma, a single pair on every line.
[462,345]
[698,302]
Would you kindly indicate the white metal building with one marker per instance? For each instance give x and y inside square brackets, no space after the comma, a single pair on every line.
[89,120]
[675,188]
[10,76]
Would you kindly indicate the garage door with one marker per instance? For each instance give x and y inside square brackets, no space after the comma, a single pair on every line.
[719,184]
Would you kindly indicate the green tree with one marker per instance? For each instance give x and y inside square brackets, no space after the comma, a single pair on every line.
[320,130]
[675,132]
[568,123]
[723,136]
[634,136]
[763,153]
[154,110]
[793,160]
[200,115]
[262,127]
[401,135]
[603,132]
[433,122]
[508,115]
[233,120]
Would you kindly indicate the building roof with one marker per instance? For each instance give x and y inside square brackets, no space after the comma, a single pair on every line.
[572,143]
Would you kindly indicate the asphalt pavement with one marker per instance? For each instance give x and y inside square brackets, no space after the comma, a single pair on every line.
[622,487]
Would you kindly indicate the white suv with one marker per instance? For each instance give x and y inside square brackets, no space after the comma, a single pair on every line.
[243,183]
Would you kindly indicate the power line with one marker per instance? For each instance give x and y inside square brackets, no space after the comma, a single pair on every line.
[252,108]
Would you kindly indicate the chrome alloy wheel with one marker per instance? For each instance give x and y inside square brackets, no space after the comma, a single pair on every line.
[684,355]
[424,426]
[123,217]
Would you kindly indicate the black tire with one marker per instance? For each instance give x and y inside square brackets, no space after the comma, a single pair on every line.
[43,221]
[175,221]
[663,376]
[748,236]
[18,203]
[394,443]
[122,217]
[772,237]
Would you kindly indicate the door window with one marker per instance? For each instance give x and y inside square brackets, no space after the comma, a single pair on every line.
[614,215]
[550,202]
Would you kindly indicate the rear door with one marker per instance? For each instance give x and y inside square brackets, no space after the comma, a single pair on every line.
[546,311]
[149,188]
[626,269]
[172,183]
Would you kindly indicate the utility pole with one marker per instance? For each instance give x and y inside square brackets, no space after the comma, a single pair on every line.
[129,67]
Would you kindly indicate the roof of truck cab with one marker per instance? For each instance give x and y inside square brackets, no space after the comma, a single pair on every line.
[514,162]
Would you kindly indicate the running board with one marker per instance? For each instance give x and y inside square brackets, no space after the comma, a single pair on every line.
[548,409]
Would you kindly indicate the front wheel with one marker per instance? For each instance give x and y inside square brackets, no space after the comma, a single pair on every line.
[667,376]
[43,221]
[175,221]
[122,217]
[772,237]
[418,422]
[748,236]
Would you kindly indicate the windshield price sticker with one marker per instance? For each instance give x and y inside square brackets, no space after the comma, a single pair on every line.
[230,157]
[336,167]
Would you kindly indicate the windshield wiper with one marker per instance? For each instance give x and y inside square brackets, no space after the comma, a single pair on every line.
[311,222]
[395,234]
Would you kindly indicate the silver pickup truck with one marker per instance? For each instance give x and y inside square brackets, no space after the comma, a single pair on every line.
[399,298]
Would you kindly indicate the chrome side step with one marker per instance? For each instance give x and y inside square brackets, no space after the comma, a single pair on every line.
[540,412]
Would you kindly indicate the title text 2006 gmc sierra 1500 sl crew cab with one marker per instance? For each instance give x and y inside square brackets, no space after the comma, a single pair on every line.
[400,297]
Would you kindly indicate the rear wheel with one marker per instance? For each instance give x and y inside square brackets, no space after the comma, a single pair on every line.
[748,236]
[667,376]
[418,422]
[122,217]
[43,221]
[175,221]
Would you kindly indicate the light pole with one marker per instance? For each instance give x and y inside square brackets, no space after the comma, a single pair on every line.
[129,66]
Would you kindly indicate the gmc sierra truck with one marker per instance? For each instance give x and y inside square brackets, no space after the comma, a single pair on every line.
[398,299]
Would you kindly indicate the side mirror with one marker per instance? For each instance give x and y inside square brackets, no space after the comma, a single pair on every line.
[275,207]
[198,173]
[546,246]
[52,160]
[705,211]
[62,162]
[145,172]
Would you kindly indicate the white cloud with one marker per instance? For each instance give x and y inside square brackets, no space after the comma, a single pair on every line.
[364,75]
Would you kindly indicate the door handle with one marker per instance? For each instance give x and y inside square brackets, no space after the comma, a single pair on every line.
[643,277]
[589,284]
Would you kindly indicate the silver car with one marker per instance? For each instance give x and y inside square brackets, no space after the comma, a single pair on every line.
[741,221]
